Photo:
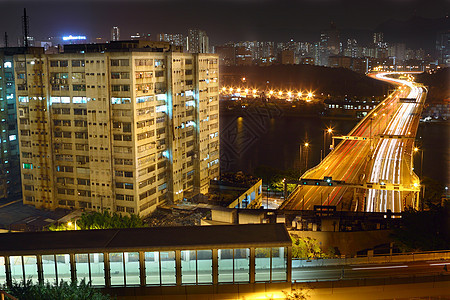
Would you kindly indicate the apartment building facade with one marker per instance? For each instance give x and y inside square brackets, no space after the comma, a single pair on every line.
[197,41]
[122,130]
[9,142]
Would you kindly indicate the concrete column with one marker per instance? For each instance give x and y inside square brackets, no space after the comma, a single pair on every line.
[252,265]
[289,264]
[73,267]
[8,270]
[142,275]
[107,269]
[40,271]
[215,266]
[178,267]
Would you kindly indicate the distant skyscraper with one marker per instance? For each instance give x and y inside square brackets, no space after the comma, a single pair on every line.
[115,33]
[330,44]
[334,42]
[397,51]
[265,50]
[352,48]
[443,47]
[176,39]
[140,37]
[323,53]
[197,41]
[377,37]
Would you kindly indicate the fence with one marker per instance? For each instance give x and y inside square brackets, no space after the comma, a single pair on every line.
[376,259]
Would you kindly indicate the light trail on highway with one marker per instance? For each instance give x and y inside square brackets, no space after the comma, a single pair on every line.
[380,159]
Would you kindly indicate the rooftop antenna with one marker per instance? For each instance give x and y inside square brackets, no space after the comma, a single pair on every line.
[6,39]
[25,28]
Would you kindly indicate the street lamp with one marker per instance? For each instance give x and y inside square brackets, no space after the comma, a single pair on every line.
[329,131]
[307,150]
[69,224]
[416,149]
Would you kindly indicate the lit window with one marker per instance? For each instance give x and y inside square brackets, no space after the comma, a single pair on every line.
[28,166]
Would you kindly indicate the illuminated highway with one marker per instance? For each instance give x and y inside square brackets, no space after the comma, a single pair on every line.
[377,171]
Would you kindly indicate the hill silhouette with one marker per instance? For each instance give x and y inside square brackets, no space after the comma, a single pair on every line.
[333,81]
[438,88]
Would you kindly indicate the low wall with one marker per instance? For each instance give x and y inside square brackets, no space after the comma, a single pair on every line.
[348,242]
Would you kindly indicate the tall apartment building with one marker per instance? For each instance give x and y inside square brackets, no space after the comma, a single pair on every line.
[443,47]
[378,37]
[176,39]
[9,140]
[120,130]
[197,41]
[115,33]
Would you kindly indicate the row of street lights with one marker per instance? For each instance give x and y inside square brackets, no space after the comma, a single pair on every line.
[290,94]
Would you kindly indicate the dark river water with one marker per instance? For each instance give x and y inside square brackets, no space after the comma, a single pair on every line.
[253,137]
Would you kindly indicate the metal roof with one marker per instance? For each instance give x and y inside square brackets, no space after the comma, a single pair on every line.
[152,238]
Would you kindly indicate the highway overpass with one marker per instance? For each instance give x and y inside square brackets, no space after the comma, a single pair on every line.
[371,169]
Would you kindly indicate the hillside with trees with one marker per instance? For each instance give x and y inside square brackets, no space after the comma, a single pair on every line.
[333,81]
[437,83]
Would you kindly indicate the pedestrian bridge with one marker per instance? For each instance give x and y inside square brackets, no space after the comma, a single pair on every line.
[164,256]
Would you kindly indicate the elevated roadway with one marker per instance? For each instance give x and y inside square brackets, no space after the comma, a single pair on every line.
[377,153]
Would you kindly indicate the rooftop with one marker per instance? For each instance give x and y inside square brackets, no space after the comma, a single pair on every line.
[157,238]
[127,46]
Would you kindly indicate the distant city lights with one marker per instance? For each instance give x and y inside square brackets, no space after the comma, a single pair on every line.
[74,38]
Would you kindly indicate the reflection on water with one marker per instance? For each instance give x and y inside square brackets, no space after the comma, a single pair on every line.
[249,140]
[246,142]
[434,139]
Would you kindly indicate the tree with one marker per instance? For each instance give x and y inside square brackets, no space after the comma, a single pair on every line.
[274,177]
[105,220]
[433,191]
[26,290]
[307,247]
[425,230]
[297,294]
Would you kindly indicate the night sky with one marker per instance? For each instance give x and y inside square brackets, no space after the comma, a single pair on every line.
[223,20]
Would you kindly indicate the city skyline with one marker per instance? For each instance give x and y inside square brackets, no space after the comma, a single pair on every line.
[223,20]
